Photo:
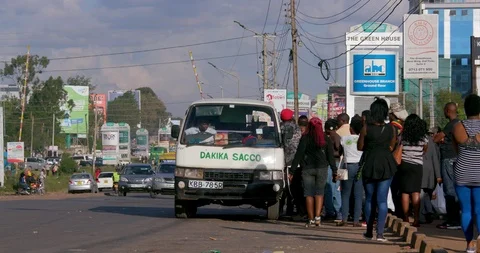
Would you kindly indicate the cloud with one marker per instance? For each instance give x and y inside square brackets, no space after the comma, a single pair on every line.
[61,28]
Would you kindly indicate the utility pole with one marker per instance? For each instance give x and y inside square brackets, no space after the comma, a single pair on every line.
[24,94]
[196,75]
[432,105]
[294,56]
[265,69]
[53,130]
[420,81]
[31,137]
[265,37]
[95,131]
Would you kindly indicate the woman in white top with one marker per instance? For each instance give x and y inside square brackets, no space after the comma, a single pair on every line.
[351,158]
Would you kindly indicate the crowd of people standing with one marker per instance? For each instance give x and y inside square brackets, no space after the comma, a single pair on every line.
[348,168]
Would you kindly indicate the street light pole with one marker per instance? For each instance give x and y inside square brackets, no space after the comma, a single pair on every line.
[230,74]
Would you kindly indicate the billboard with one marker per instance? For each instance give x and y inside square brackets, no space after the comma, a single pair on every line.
[336,101]
[276,97]
[113,94]
[420,58]
[116,142]
[374,73]
[304,102]
[76,118]
[100,104]
[321,107]
[15,152]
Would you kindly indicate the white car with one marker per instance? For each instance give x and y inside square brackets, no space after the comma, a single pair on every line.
[105,181]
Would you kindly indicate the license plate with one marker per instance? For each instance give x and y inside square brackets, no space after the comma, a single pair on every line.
[79,183]
[105,181]
[136,185]
[205,184]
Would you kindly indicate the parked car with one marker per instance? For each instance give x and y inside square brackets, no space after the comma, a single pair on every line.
[98,162]
[35,163]
[105,181]
[82,182]
[136,177]
[79,158]
[52,160]
[163,181]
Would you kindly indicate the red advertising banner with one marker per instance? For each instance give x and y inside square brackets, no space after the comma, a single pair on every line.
[100,104]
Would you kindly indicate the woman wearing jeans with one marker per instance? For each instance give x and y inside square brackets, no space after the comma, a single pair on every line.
[314,154]
[467,168]
[377,141]
[351,157]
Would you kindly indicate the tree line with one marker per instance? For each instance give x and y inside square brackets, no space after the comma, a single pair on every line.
[46,97]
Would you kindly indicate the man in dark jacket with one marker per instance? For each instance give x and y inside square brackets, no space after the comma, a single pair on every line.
[291,138]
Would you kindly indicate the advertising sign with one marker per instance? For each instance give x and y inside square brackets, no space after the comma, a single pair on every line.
[76,118]
[322,106]
[110,138]
[475,50]
[374,73]
[15,152]
[276,97]
[2,157]
[304,102]
[336,101]
[374,39]
[100,104]
[420,58]
[113,94]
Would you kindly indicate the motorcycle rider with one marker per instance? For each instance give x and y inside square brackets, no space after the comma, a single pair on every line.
[22,183]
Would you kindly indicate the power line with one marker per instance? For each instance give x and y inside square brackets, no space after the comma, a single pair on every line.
[376,47]
[146,50]
[266,16]
[334,15]
[278,18]
[374,30]
[149,64]
[343,36]
[238,52]
[336,21]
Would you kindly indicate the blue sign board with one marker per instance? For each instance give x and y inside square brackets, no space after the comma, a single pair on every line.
[375,74]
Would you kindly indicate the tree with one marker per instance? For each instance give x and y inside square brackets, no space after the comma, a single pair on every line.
[45,101]
[124,109]
[153,110]
[81,80]
[15,70]
[442,97]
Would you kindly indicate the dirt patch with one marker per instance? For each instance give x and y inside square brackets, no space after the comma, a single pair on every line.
[49,196]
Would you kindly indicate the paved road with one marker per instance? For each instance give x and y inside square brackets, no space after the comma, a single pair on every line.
[138,223]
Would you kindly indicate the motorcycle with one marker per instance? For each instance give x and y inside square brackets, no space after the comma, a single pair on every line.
[115,189]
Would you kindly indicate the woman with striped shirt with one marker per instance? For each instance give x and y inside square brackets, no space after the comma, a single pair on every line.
[414,144]
[467,168]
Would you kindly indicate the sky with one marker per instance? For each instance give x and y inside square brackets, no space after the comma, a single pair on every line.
[69,28]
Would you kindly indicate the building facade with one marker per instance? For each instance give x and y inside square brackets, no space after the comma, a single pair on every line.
[458,20]
[9,90]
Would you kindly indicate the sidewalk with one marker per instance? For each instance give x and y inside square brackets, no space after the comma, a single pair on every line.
[450,240]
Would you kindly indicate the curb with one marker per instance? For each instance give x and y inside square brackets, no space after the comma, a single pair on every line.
[411,236]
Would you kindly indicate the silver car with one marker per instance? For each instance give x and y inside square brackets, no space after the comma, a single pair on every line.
[136,178]
[164,179]
[82,182]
